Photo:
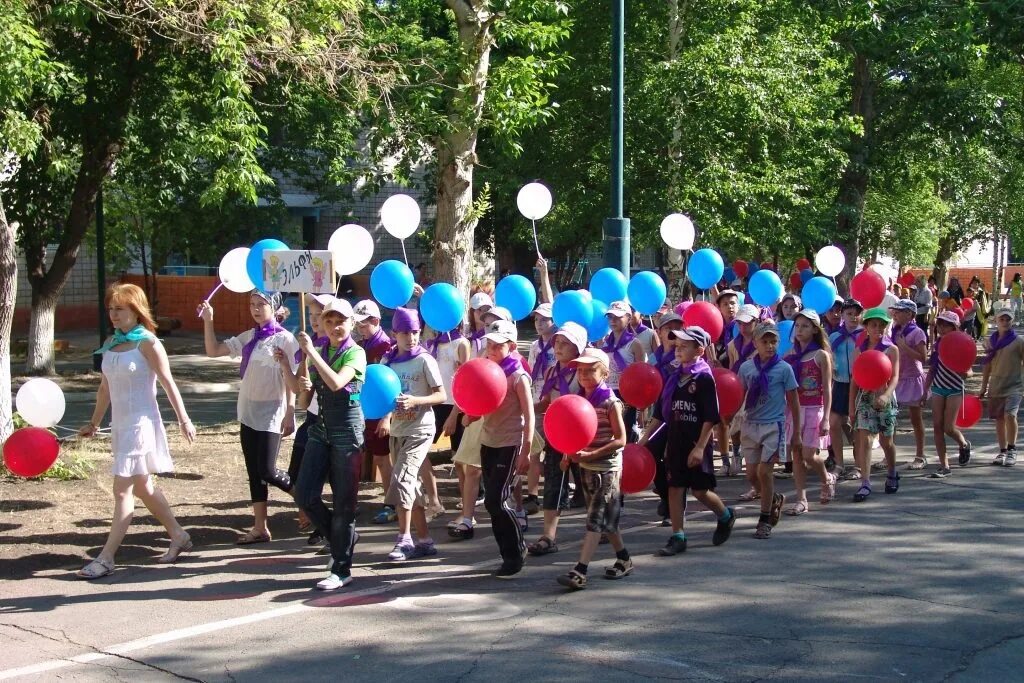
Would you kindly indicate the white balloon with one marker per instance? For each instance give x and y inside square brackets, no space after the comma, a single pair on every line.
[830,260]
[40,402]
[351,246]
[534,201]
[887,273]
[400,215]
[677,231]
[233,273]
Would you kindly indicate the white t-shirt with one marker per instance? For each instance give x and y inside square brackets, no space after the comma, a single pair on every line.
[532,360]
[614,373]
[649,340]
[262,398]
[447,363]
[889,300]
[419,376]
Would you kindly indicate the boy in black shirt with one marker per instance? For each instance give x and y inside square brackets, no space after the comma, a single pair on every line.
[689,407]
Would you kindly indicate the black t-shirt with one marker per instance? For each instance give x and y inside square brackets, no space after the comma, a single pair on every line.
[694,402]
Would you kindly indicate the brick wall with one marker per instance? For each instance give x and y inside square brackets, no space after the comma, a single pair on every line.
[77,307]
[965,275]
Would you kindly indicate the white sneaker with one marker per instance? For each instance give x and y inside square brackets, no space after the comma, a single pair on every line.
[999,459]
[333,583]
[1011,459]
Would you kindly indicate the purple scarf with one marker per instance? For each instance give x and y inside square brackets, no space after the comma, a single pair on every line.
[796,358]
[641,327]
[845,334]
[696,368]
[395,355]
[541,364]
[562,377]
[614,347]
[997,344]
[318,342]
[378,337]
[727,334]
[933,359]
[476,338]
[883,344]
[904,330]
[267,331]
[601,394]
[743,349]
[509,364]
[443,338]
[829,327]
[345,346]
[663,361]
[760,386]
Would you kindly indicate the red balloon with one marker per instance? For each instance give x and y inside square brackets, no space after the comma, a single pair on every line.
[705,314]
[638,468]
[969,413]
[730,391]
[803,264]
[570,423]
[30,451]
[967,304]
[868,287]
[795,281]
[907,279]
[959,312]
[957,351]
[479,387]
[872,370]
[640,385]
[740,267]
[768,265]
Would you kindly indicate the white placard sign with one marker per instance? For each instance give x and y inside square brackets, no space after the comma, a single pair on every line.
[303,270]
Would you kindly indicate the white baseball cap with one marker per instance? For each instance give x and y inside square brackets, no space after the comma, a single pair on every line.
[592,355]
[619,309]
[748,313]
[338,306]
[501,332]
[544,311]
[479,300]
[575,334]
[501,313]
[366,309]
[1008,312]
[322,299]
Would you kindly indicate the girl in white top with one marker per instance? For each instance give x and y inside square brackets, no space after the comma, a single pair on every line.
[133,360]
[647,336]
[266,405]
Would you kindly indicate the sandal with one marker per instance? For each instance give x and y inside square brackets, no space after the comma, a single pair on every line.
[96,569]
[862,493]
[543,546]
[764,530]
[918,464]
[752,494]
[775,512]
[828,491]
[620,569]
[573,580]
[250,537]
[797,509]
[461,532]
[176,549]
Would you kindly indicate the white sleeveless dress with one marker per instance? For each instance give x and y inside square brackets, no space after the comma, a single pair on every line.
[139,442]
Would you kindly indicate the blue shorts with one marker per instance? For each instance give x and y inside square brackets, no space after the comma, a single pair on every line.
[841,398]
[945,393]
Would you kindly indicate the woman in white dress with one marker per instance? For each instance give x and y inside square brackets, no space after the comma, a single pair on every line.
[133,360]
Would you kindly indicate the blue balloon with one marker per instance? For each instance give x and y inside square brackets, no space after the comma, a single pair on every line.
[380,389]
[254,261]
[608,285]
[598,327]
[806,275]
[765,288]
[391,283]
[752,268]
[819,294]
[646,292]
[705,268]
[442,306]
[785,337]
[517,294]
[729,275]
[572,306]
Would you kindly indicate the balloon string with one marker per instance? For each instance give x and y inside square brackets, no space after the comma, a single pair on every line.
[655,432]
[210,296]
[404,255]
[536,245]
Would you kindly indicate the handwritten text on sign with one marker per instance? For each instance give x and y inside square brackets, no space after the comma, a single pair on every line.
[304,270]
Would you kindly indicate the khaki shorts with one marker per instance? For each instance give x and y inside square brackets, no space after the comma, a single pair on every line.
[469,449]
[763,442]
[407,456]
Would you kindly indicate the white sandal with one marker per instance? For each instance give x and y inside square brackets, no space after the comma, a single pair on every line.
[176,549]
[96,569]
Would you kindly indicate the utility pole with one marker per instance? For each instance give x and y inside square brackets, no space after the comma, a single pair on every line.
[616,227]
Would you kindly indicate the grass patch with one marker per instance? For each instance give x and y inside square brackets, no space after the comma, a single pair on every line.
[77,460]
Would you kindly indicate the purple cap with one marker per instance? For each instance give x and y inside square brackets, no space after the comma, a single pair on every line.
[405,320]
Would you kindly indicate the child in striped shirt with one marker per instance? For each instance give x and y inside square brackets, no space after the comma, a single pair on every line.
[947,394]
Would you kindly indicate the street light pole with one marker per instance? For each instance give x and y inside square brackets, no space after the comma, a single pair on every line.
[616,228]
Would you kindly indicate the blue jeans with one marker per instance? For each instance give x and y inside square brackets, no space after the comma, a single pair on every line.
[333,454]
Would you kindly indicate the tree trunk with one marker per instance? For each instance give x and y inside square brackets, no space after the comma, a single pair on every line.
[40,335]
[854,184]
[8,299]
[456,150]
[940,271]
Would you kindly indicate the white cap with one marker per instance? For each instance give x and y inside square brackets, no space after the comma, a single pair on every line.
[479,300]
[322,299]
[1008,312]
[620,309]
[575,334]
[501,332]
[544,311]
[366,309]
[592,355]
[748,313]
[949,317]
[338,306]
[501,313]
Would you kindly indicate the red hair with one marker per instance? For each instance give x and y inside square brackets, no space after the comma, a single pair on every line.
[134,298]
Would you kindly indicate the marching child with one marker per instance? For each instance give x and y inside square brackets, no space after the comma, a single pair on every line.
[689,406]
[541,358]
[844,345]
[664,359]
[624,349]
[947,395]
[770,385]
[601,466]
[1004,383]
[740,350]
[911,340]
[728,303]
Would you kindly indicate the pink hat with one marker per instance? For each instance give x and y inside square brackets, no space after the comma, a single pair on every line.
[405,320]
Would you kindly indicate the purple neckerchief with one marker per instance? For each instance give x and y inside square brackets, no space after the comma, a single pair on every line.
[933,360]
[443,338]
[614,347]
[509,364]
[760,385]
[318,342]
[395,355]
[743,349]
[727,335]
[828,326]
[540,366]
[997,344]
[476,339]
[600,394]
[345,346]
[797,356]
[562,377]
[378,337]
[267,331]
[640,327]
[663,361]
[766,314]
[904,330]
[695,369]
[883,344]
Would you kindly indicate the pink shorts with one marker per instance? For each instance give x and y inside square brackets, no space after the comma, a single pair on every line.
[810,427]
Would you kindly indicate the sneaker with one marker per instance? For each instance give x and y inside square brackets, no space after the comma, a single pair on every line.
[387,514]
[423,549]
[892,482]
[999,459]
[940,473]
[333,582]
[674,546]
[666,521]
[965,455]
[480,501]
[508,570]
[724,529]
[531,505]
[620,569]
[524,523]
[402,551]
[1011,458]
